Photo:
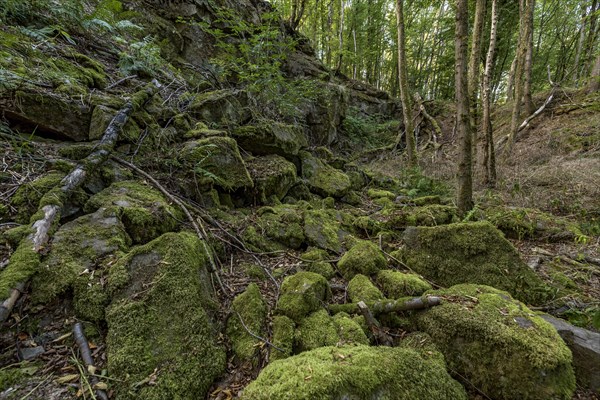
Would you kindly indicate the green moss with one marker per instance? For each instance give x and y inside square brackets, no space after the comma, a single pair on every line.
[271,137]
[327,229]
[316,330]
[314,260]
[283,224]
[273,175]
[396,284]
[283,337]
[426,201]
[379,193]
[76,151]
[363,258]
[349,331]
[368,225]
[356,372]
[301,294]
[252,310]
[254,271]
[431,215]
[24,262]
[143,210]
[471,253]
[322,178]
[360,288]
[158,323]
[14,236]
[27,198]
[499,345]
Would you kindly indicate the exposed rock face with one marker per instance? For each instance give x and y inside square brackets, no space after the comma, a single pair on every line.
[357,372]
[273,177]
[585,346]
[322,178]
[158,321]
[271,138]
[499,345]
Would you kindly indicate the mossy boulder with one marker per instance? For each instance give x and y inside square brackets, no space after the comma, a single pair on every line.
[349,331]
[396,284]
[271,138]
[101,118]
[281,224]
[429,215]
[77,261]
[223,108]
[316,260]
[322,178]
[327,229]
[283,337]
[316,330]
[158,322]
[363,258]
[216,160]
[499,345]
[302,294]
[250,308]
[143,210]
[379,193]
[367,225]
[27,197]
[273,177]
[360,288]
[470,253]
[356,372]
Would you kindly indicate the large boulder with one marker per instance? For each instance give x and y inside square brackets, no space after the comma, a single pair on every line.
[302,294]
[498,344]
[273,176]
[223,108]
[470,253]
[322,178]
[357,372]
[585,346]
[143,210]
[276,228]
[271,138]
[363,258]
[79,253]
[158,322]
[327,228]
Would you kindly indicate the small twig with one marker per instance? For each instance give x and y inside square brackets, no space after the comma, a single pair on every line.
[265,341]
[86,356]
[117,83]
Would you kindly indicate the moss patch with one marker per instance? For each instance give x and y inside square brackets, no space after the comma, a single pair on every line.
[349,331]
[271,138]
[316,330]
[143,210]
[302,294]
[360,288]
[471,253]
[27,198]
[322,178]
[327,229]
[358,372]
[431,215]
[363,258]
[283,337]
[158,323]
[499,345]
[314,260]
[396,284]
[251,308]
[273,176]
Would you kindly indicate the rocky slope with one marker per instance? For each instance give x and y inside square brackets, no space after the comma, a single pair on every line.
[263,299]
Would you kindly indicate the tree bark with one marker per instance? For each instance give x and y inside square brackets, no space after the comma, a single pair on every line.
[473,73]
[527,100]
[463,124]
[489,157]
[411,147]
[594,84]
[388,306]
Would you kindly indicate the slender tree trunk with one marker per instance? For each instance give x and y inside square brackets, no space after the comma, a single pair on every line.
[463,125]
[473,73]
[489,160]
[576,66]
[594,84]
[591,38]
[341,36]
[404,95]
[527,100]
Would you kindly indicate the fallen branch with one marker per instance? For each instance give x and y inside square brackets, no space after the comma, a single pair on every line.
[436,127]
[86,356]
[540,110]
[388,306]
[380,336]
[198,227]
[26,259]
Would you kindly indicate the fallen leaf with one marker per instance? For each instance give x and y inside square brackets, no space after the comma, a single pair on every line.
[67,378]
[101,386]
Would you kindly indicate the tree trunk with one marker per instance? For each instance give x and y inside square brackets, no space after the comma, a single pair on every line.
[463,125]
[489,158]
[404,96]
[527,101]
[591,38]
[594,84]
[576,66]
[474,61]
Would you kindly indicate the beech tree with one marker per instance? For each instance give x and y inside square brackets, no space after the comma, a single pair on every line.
[489,156]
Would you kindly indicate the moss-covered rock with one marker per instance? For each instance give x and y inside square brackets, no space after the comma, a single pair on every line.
[27,197]
[101,118]
[349,331]
[327,228]
[158,323]
[316,330]
[273,177]
[360,288]
[396,284]
[363,258]
[250,308]
[322,178]
[356,372]
[271,138]
[379,193]
[430,215]
[283,337]
[301,294]
[315,260]
[282,224]
[143,210]
[217,160]
[499,345]
[223,108]
[368,225]
[76,261]
[471,253]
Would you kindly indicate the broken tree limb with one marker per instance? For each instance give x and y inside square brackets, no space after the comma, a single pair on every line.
[86,356]
[389,306]
[437,131]
[379,334]
[540,110]
[24,262]
[198,227]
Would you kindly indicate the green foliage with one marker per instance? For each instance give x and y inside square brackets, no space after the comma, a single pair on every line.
[368,130]
[143,58]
